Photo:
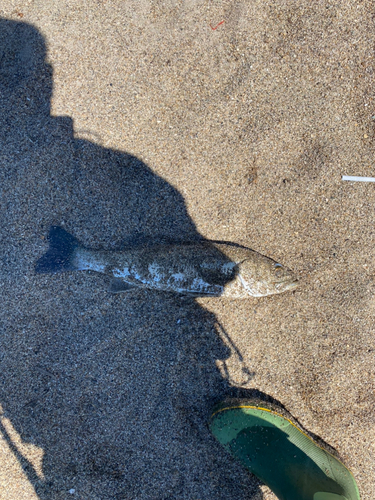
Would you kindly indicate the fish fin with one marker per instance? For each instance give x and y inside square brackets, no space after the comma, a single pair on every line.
[59,256]
[229,243]
[117,285]
[216,291]
[145,240]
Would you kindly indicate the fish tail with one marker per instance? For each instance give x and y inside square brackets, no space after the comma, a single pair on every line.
[59,257]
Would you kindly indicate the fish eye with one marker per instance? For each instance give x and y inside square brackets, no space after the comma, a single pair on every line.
[278,270]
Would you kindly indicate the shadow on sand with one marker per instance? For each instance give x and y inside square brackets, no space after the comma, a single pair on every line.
[116,390]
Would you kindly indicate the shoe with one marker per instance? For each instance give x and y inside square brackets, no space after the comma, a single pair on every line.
[273,446]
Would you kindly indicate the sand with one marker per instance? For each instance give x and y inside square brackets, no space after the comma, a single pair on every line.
[124,121]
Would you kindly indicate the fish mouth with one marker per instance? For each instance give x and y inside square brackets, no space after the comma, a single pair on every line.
[287,286]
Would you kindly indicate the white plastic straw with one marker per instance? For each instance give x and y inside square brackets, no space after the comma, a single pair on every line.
[358,179]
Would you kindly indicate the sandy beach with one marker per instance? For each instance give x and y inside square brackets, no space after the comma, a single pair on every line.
[137,120]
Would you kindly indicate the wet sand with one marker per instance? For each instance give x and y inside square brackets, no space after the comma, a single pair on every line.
[129,121]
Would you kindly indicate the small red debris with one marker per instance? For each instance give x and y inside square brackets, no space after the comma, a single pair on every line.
[216,26]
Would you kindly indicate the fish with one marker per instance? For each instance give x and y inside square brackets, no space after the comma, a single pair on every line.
[203,268]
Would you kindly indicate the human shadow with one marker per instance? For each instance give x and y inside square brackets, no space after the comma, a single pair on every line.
[116,390]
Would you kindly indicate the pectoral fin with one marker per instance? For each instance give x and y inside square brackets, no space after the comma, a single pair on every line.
[118,285]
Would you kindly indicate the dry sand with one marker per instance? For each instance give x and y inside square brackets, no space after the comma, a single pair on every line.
[159,124]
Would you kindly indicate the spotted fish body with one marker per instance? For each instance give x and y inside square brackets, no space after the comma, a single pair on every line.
[199,269]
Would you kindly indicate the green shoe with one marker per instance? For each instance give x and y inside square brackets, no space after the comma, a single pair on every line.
[271,444]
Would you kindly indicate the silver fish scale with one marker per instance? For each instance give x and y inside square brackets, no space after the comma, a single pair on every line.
[196,269]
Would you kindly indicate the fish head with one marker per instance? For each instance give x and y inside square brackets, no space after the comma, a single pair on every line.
[266,277]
